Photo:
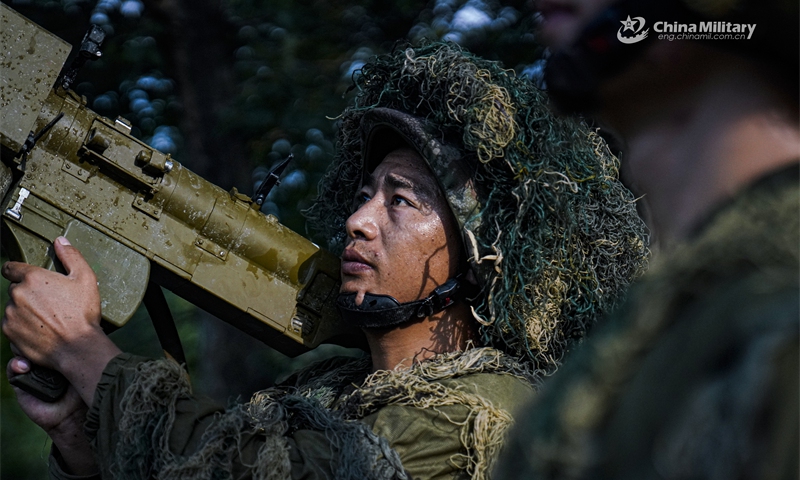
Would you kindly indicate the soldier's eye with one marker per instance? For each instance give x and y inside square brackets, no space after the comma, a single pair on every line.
[361,199]
[398,200]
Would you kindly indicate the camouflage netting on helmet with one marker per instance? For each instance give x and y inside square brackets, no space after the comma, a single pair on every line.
[559,237]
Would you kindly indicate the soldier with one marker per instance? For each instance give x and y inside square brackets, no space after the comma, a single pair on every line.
[479,236]
[697,376]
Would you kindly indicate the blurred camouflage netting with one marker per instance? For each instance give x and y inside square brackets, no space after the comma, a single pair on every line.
[558,238]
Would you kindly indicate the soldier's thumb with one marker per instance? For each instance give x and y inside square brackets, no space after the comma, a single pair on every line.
[71,258]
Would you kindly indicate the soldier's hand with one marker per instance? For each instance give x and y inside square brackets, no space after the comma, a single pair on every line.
[62,420]
[51,416]
[54,319]
[47,310]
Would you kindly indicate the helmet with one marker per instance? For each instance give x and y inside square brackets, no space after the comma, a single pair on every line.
[549,231]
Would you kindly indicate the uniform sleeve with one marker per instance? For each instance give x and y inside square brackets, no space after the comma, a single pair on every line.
[57,472]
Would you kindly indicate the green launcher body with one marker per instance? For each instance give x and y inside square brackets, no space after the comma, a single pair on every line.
[137,215]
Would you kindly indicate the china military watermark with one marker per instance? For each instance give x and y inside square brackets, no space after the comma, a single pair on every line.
[633,30]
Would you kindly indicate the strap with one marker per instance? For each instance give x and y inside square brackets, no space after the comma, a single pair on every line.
[382,311]
[164,324]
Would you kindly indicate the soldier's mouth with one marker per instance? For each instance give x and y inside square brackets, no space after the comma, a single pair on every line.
[354,263]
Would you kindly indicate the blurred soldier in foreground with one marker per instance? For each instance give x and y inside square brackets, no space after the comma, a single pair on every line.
[697,375]
[479,237]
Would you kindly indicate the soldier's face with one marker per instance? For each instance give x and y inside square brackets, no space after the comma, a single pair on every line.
[403,238]
[561,21]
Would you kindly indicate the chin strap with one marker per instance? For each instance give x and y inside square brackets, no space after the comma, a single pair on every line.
[381,311]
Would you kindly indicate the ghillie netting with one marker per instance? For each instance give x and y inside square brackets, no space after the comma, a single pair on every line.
[317,403]
[745,261]
[556,240]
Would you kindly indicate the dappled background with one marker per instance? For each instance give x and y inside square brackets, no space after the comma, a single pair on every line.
[229,88]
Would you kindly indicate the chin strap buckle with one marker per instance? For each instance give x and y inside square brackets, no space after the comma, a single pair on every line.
[440,298]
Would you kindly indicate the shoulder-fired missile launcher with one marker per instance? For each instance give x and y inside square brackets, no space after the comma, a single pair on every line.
[139,216]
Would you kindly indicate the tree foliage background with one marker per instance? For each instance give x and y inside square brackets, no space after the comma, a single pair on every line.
[229,88]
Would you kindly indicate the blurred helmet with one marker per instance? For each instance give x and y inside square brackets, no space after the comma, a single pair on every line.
[574,74]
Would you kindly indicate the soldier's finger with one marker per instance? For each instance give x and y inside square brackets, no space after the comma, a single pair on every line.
[16,271]
[72,259]
[19,365]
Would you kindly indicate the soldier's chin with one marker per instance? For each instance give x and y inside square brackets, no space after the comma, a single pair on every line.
[355,286]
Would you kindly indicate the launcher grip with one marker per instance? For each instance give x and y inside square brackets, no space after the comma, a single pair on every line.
[45,384]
